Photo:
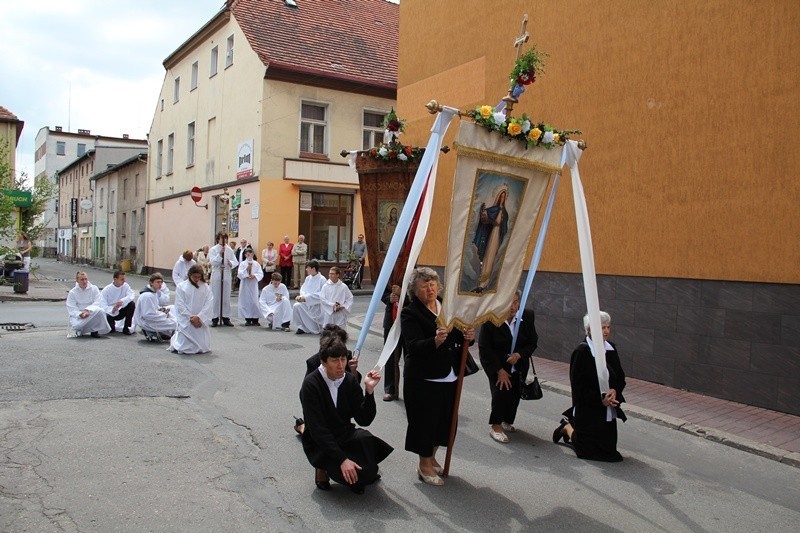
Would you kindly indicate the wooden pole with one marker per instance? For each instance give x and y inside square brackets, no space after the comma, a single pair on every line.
[454,423]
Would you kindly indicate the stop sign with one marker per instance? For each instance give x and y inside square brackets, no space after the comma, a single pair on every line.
[197,194]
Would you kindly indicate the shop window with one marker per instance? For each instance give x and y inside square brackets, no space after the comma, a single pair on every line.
[328,226]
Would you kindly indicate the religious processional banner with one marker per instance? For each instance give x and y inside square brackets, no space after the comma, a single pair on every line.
[497,194]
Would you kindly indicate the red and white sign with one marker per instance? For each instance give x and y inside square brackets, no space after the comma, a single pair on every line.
[197,194]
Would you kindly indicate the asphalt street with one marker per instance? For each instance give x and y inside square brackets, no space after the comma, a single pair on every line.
[117,434]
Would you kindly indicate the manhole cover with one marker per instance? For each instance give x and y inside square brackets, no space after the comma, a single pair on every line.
[16,326]
[282,346]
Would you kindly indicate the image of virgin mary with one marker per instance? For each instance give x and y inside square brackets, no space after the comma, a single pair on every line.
[489,235]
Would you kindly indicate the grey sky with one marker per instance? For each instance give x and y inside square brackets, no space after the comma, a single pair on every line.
[89,64]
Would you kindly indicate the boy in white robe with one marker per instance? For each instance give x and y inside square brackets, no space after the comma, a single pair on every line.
[194,307]
[118,302]
[250,274]
[85,308]
[335,300]
[182,265]
[306,312]
[275,305]
[222,263]
[155,320]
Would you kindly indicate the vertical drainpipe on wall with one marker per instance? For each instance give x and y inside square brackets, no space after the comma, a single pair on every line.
[94,219]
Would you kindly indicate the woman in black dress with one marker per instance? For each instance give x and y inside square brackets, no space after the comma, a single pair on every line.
[331,399]
[591,423]
[433,358]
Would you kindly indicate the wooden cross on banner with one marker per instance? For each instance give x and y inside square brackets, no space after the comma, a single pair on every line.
[510,99]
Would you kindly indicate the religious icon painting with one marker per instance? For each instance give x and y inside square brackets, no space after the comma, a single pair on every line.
[388,215]
[494,209]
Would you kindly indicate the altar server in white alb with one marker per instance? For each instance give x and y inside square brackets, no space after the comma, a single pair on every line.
[118,300]
[222,262]
[306,313]
[250,274]
[87,314]
[182,265]
[275,305]
[152,317]
[194,308]
[335,300]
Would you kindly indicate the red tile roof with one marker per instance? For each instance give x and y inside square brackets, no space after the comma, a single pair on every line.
[354,40]
[7,115]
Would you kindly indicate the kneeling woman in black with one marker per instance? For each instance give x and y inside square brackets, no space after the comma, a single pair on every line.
[591,422]
[331,399]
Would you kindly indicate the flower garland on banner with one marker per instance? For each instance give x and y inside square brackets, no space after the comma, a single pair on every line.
[394,150]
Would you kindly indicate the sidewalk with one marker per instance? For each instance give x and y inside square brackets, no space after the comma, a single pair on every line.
[760,431]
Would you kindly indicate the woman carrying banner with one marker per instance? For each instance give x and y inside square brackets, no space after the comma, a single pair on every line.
[591,422]
[331,398]
[429,377]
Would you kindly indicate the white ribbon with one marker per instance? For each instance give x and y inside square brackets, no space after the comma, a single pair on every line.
[587,265]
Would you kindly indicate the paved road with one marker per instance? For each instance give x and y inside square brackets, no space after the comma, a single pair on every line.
[118,434]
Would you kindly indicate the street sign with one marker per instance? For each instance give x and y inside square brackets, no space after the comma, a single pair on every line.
[197,194]
[18,198]
[86,204]
[73,210]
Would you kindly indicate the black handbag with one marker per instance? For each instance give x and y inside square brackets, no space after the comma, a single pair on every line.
[531,390]
[471,367]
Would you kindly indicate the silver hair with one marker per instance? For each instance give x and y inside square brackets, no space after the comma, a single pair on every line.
[422,274]
[605,320]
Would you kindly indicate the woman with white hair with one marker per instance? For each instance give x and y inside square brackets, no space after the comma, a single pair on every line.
[591,423]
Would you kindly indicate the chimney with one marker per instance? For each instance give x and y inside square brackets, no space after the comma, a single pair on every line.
[84,132]
[126,136]
[58,129]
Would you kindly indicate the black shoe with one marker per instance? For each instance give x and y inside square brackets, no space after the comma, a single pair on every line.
[299,331]
[299,425]
[227,322]
[321,479]
[126,331]
[357,489]
[255,323]
[95,334]
[165,337]
[559,433]
[214,322]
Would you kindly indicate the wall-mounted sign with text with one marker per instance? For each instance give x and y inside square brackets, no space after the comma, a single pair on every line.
[244,160]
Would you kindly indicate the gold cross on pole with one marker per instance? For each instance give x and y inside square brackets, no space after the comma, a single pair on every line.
[523,37]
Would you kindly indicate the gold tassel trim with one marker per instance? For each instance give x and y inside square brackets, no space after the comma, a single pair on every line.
[501,159]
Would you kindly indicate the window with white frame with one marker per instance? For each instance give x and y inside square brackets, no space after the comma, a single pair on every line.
[214,60]
[195,67]
[373,131]
[170,152]
[177,90]
[81,149]
[190,145]
[312,128]
[159,157]
[229,52]
[61,148]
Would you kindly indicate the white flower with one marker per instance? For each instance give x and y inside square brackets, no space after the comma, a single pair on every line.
[383,151]
[499,118]
[402,157]
[547,138]
[526,126]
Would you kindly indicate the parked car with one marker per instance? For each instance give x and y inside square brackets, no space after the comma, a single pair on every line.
[9,262]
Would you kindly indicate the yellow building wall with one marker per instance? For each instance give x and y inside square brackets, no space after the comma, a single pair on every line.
[689,110]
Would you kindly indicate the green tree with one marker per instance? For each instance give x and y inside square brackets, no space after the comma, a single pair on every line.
[42,191]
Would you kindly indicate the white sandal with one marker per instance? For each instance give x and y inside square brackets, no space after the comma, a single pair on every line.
[499,436]
[430,480]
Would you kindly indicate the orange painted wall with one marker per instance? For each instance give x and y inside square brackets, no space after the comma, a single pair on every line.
[689,109]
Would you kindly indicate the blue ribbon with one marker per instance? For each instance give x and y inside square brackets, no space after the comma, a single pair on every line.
[537,253]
